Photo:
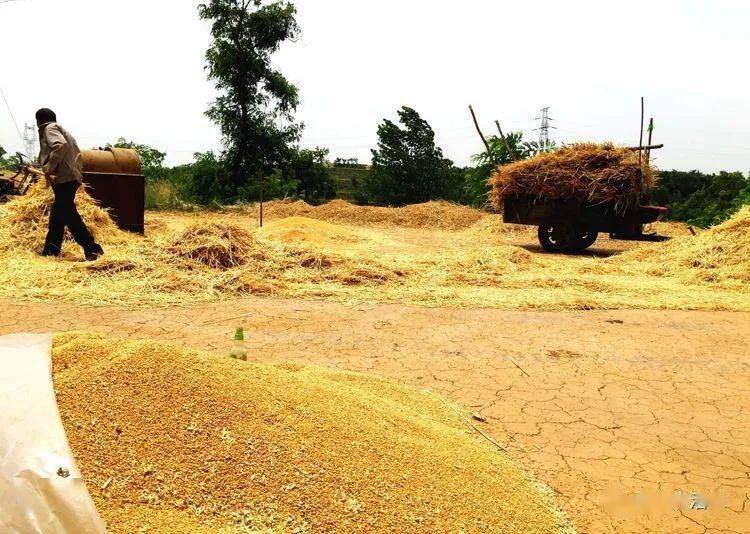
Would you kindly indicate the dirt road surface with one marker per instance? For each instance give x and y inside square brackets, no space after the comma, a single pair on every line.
[639,420]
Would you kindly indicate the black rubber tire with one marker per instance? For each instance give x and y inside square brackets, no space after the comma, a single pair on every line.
[558,236]
[585,240]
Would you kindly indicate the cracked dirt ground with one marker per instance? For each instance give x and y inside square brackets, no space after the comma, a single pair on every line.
[597,404]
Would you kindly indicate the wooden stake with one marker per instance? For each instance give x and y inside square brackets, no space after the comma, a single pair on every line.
[261,203]
[650,136]
[505,140]
[649,147]
[640,143]
[476,124]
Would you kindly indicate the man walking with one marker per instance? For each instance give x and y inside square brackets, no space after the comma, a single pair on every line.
[61,161]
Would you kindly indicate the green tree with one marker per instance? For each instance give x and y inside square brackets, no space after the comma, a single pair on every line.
[255,106]
[206,172]
[701,199]
[3,162]
[152,159]
[408,167]
[309,173]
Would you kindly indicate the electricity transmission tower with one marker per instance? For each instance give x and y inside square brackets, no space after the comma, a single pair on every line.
[30,139]
[544,128]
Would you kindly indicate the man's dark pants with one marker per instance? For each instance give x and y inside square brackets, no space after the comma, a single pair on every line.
[65,214]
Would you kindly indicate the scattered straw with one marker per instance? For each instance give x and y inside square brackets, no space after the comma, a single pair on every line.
[199,257]
[438,215]
[586,172]
[720,255]
[23,220]
[189,442]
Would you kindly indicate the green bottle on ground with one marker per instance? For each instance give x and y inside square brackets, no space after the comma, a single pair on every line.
[239,351]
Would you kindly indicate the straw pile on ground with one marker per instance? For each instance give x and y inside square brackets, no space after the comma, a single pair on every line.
[720,255]
[438,215]
[218,245]
[205,260]
[586,172]
[170,440]
[205,257]
[23,221]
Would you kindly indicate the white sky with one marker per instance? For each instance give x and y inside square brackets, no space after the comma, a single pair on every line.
[135,69]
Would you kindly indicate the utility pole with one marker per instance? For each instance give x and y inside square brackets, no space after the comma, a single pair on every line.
[30,138]
[544,128]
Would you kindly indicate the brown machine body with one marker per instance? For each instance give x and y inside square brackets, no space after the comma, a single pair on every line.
[111,161]
[113,178]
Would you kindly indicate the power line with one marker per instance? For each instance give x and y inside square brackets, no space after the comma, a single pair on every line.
[10,112]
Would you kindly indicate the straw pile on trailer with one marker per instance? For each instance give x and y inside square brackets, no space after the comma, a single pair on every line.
[585,172]
[172,440]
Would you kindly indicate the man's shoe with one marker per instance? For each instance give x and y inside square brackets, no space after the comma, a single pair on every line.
[48,252]
[94,253]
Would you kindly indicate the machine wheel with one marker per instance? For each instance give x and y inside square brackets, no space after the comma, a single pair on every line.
[558,236]
[585,240]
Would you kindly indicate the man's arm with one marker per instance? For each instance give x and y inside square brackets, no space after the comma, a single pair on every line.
[57,143]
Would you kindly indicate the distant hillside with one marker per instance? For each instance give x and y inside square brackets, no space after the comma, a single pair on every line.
[346,180]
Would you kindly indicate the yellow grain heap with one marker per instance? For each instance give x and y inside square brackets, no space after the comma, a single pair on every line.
[171,440]
[587,172]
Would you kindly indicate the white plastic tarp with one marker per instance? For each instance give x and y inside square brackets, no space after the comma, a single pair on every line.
[41,489]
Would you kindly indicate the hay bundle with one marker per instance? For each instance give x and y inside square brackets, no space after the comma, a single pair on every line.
[216,244]
[586,172]
[172,440]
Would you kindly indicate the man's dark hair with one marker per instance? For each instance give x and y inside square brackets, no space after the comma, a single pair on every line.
[45,115]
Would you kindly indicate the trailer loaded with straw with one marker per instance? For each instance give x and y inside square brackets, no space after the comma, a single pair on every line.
[577,192]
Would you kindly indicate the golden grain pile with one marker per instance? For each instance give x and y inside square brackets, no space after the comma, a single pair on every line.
[587,172]
[480,261]
[171,440]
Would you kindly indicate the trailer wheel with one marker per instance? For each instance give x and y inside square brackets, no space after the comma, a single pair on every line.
[585,240]
[558,236]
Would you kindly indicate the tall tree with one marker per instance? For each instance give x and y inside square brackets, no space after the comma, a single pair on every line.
[255,106]
[407,165]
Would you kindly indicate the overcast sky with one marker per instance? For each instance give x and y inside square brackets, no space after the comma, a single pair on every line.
[135,69]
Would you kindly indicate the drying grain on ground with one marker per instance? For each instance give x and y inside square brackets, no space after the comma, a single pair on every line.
[174,440]
[446,255]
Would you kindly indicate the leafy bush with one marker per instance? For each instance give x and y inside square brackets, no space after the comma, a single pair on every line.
[407,166]
[702,199]
[308,173]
